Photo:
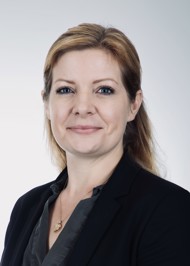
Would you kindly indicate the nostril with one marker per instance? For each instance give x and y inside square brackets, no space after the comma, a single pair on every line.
[90,112]
[75,112]
[83,110]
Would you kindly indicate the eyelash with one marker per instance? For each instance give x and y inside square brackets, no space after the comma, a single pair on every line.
[64,90]
[104,90]
[108,90]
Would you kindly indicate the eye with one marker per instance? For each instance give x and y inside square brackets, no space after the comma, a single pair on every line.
[105,90]
[64,90]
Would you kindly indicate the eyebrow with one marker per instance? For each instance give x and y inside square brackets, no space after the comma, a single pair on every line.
[65,80]
[105,79]
[94,82]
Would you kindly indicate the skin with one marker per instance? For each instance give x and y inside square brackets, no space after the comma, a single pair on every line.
[88,105]
[88,108]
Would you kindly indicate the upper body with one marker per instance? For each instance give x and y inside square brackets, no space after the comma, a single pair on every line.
[144,221]
[99,129]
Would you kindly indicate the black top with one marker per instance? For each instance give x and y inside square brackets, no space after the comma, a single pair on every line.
[36,253]
[139,219]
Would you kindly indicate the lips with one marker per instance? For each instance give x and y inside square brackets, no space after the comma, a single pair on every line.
[84,129]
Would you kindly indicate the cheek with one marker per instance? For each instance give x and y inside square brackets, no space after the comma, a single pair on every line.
[56,112]
[58,130]
[57,120]
[116,120]
[119,113]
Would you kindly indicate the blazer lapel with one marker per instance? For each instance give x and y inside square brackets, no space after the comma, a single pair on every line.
[104,211]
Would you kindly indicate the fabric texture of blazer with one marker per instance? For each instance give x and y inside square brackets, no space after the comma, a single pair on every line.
[139,219]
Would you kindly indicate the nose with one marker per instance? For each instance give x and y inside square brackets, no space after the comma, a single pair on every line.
[84,105]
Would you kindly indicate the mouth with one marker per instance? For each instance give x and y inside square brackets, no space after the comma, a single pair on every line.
[84,129]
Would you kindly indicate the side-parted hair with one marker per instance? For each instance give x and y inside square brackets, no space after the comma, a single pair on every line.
[138,140]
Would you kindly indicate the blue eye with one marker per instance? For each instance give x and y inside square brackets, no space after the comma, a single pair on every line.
[64,90]
[106,90]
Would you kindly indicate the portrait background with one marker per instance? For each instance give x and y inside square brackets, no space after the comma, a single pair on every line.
[160,30]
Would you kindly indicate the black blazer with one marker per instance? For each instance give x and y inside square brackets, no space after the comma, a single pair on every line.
[139,219]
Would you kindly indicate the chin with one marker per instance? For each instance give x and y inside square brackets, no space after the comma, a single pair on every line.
[85,151]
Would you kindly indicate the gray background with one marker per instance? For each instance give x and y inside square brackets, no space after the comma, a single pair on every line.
[160,31]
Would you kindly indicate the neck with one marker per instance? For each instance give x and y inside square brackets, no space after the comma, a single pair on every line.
[88,172]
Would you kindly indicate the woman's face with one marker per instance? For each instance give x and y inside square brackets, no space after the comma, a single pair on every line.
[88,106]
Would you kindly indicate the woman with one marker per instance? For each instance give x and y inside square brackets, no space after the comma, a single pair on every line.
[107,206]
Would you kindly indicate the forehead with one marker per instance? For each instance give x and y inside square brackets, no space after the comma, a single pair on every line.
[88,62]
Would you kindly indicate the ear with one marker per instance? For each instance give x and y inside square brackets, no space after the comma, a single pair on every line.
[46,105]
[135,105]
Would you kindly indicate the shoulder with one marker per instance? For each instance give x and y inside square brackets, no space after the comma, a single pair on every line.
[37,193]
[33,199]
[28,205]
[32,196]
[150,183]
[140,185]
[165,207]
[166,218]
[160,212]
[152,193]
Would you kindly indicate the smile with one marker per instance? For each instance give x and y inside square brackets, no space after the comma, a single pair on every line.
[84,129]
